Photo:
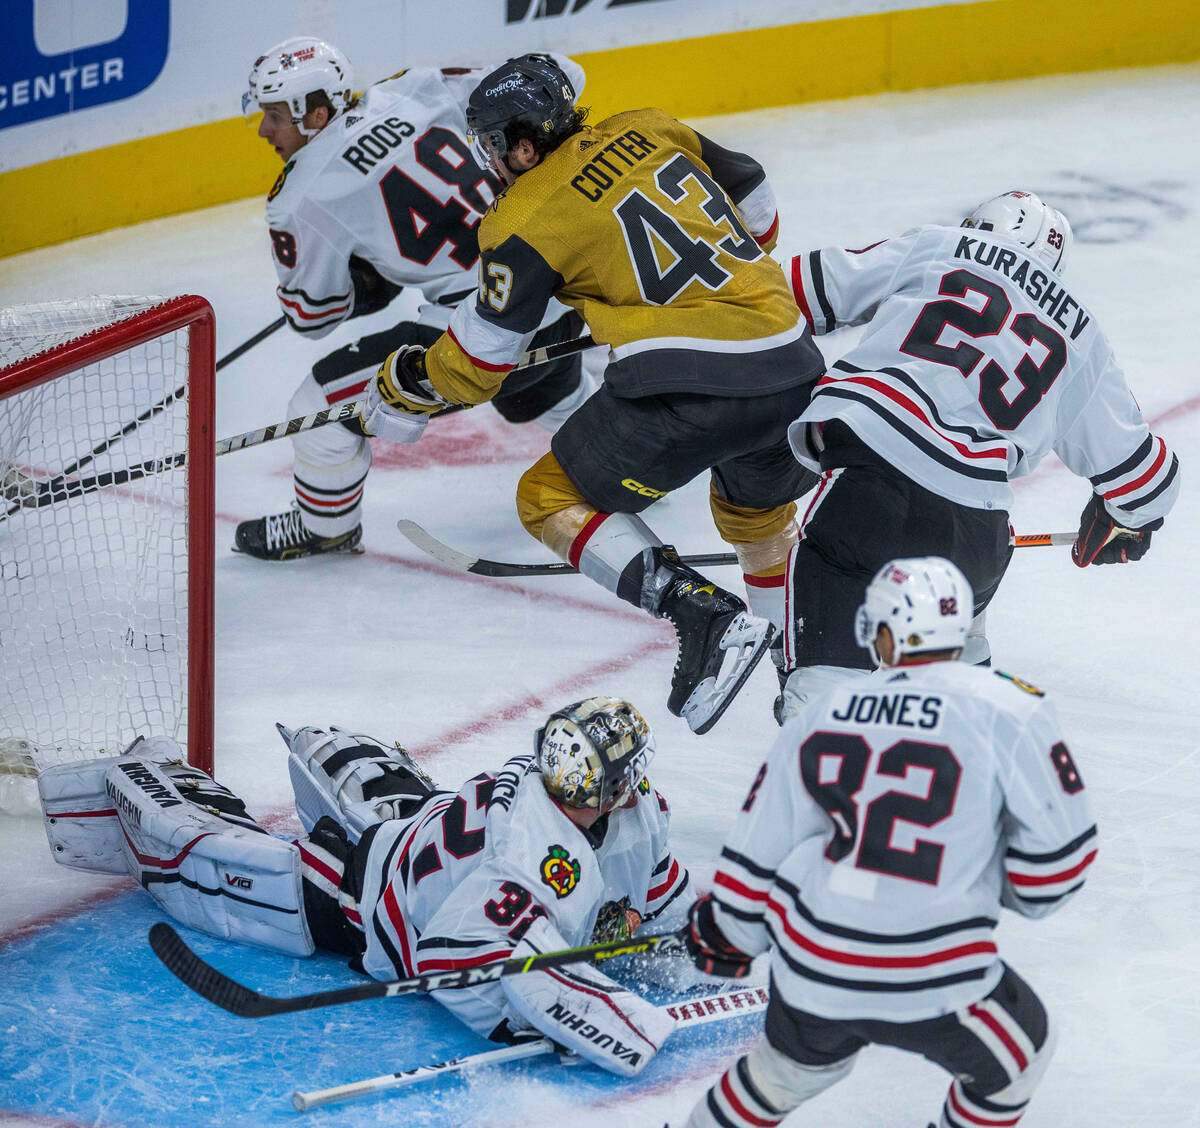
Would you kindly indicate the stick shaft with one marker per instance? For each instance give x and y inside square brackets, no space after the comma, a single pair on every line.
[694,1012]
[462,562]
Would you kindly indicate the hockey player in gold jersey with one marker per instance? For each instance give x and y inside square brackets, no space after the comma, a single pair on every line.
[658,237]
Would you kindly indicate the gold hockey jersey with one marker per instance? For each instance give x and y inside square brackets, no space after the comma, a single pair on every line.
[656,235]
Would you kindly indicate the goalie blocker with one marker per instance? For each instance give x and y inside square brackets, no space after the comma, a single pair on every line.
[406,879]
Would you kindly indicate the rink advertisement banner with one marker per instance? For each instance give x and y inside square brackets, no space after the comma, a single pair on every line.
[38,80]
[92,89]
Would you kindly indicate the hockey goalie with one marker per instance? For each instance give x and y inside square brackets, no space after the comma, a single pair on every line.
[559,847]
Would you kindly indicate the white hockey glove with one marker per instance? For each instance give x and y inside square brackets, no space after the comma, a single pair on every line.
[400,398]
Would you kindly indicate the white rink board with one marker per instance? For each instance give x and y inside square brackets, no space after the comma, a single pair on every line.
[159,66]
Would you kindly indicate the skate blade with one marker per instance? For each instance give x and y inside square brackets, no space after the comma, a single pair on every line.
[744,642]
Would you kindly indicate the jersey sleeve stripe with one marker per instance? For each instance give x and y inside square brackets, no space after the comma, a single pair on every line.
[334,314]
[1054,855]
[748,864]
[430,964]
[661,890]
[482,365]
[724,881]
[1123,468]
[763,239]
[661,907]
[1129,487]
[1165,484]
[1021,879]
[818,280]
[798,291]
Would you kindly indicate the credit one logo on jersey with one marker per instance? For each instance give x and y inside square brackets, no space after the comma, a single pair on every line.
[34,85]
[517,11]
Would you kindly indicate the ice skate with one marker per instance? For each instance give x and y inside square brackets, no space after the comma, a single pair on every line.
[720,642]
[282,536]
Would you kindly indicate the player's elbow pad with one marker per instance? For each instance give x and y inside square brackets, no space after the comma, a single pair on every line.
[585,1011]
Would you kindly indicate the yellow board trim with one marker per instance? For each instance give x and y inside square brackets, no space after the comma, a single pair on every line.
[990,41]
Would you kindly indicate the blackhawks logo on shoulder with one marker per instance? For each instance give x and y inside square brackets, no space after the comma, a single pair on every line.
[277,187]
[560,871]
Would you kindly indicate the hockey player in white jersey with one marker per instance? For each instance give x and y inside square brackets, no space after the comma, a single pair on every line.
[977,360]
[379,191]
[558,848]
[892,819]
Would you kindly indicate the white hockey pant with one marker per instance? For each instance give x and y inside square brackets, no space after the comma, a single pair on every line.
[761,1088]
[805,682]
[330,467]
[977,650]
[354,779]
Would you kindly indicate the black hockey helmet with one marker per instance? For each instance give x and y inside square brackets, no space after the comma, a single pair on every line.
[528,97]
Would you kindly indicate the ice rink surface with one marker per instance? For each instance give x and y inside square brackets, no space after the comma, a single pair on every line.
[93,1031]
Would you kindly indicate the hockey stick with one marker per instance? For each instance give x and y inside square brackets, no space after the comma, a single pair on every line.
[227,993]
[58,489]
[695,1012]
[461,562]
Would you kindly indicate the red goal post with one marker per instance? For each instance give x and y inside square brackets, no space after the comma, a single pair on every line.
[106,587]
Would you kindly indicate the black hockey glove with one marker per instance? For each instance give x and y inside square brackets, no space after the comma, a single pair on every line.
[616,922]
[707,946]
[1102,541]
[372,292]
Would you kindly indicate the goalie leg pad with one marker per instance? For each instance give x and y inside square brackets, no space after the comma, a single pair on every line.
[227,878]
[354,779]
[581,1008]
[80,820]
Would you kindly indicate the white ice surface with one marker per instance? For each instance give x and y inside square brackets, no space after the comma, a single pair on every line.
[460,668]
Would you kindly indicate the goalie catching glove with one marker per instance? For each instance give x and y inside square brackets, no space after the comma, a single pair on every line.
[709,949]
[401,399]
[1102,541]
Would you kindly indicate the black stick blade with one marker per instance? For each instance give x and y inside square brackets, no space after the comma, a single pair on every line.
[204,979]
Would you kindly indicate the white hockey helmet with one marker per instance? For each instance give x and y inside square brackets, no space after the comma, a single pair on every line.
[295,68]
[924,601]
[1030,221]
[594,753]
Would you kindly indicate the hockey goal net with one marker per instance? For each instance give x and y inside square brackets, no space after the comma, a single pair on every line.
[106,535]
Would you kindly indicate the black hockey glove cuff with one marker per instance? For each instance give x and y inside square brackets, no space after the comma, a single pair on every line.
[707,946]
[1102,541]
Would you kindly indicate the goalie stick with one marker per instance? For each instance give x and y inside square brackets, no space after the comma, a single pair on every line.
[226,993]
[461,562]
[27,493]
[689,1012]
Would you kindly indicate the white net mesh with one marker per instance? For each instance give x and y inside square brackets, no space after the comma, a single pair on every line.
[93,575]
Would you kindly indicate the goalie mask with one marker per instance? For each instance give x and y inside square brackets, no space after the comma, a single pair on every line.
[925,602]
[1028,220]
[294,69]
[594,753]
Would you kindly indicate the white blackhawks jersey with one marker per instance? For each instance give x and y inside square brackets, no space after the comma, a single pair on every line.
[391,181]
[462,883]
[892,819]
[976,362]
